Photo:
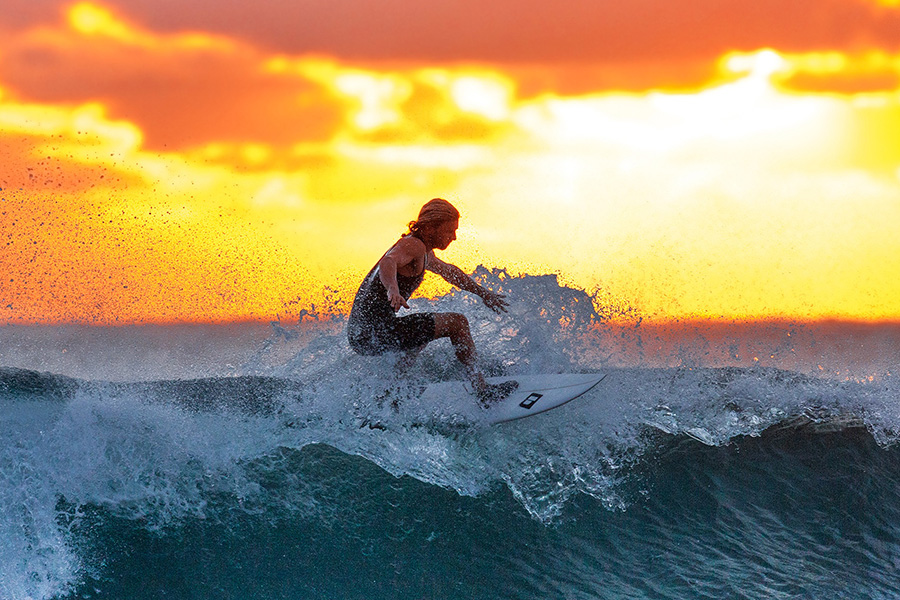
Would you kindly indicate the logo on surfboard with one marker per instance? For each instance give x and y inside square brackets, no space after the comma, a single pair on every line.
[530,400]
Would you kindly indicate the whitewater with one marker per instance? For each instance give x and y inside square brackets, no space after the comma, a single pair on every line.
[269,461]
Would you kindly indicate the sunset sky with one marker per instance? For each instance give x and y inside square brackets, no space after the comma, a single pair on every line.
[197,160]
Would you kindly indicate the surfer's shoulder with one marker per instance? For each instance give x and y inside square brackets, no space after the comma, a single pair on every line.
[411,243]
[406,250]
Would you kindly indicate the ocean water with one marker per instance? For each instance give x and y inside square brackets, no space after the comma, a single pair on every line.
[726,461]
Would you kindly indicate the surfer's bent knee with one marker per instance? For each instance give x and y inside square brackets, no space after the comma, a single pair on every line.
[450,324]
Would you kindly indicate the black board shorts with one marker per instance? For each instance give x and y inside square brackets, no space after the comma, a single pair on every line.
[395,334]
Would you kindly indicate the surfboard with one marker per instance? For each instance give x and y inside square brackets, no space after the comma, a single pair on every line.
[536,394]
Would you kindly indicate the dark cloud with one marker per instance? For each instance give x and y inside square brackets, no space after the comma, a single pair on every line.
[18,14]
[661,73]
[519,30]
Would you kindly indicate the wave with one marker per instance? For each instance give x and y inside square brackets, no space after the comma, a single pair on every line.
[160,454]
[293,439]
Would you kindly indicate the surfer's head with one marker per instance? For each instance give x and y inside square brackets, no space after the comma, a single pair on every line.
[436,224]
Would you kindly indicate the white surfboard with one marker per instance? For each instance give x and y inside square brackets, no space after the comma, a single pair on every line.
[536,394]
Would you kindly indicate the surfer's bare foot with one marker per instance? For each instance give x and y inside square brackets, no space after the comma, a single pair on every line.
[492,393]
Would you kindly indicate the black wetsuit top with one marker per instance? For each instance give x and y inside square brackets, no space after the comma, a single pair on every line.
[374,328]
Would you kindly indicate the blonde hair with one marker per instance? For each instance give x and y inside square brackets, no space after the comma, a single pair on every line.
[436,210]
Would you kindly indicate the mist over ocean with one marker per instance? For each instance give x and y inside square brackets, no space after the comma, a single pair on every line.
[754,460]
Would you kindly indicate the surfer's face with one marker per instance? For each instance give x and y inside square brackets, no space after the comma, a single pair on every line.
[444,234]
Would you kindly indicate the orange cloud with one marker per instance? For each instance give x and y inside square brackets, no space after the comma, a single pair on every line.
[507,31]
[181,90]
[637,36]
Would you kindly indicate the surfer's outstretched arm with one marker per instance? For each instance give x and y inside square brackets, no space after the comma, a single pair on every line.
[456,276]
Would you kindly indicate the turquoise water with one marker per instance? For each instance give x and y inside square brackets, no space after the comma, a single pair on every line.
[790,515]
[704,473]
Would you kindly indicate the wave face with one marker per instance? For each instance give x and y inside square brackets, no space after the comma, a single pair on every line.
[754,462]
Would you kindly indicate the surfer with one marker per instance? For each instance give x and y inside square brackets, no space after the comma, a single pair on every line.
[374,328]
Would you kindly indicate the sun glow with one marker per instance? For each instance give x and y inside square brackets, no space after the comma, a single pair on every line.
[378,98]
[91,19]
[221,181]
[485,95]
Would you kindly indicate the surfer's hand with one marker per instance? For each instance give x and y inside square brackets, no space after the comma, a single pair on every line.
[495,301]
[397,301]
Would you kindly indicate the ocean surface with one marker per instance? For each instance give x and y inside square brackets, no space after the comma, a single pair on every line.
[740,460]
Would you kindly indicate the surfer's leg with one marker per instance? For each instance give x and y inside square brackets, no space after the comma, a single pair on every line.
[456,327]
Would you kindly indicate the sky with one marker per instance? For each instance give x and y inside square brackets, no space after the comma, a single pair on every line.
[192,160]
